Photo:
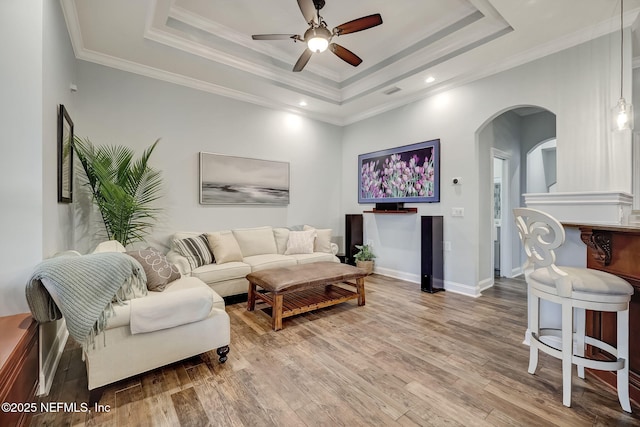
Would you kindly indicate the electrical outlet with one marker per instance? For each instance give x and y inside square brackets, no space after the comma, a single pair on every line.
[447,246]
[457,212]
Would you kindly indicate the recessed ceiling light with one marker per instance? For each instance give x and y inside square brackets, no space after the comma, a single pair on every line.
[302,103]
[430,79]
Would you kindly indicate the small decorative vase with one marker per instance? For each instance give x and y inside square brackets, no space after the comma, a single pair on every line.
[365,265]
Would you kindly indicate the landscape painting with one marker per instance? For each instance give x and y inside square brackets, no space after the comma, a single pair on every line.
[230,180]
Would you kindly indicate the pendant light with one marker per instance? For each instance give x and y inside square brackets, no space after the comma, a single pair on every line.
[622,112]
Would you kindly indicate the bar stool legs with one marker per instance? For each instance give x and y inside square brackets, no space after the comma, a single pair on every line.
[623,353]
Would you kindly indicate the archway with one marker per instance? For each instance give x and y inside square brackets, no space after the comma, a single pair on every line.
[507,136]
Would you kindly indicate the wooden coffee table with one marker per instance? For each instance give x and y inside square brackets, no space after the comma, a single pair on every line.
[305,287]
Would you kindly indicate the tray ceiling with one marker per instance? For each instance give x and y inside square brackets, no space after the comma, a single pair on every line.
[207,45]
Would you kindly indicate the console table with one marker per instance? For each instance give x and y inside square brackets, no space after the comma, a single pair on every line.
[615,249]
[18,365]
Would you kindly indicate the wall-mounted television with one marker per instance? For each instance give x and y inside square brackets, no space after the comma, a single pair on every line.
[407,174]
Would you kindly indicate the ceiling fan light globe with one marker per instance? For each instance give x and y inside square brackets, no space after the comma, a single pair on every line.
[317,39]
[318,44]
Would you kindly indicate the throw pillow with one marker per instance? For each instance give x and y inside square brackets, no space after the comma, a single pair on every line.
[195,250]
[225,247]
[157,268]
[300,242]
[255,241]
[323,239]
[282,236]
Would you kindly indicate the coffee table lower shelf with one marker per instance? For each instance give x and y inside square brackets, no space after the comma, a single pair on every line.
[302,301]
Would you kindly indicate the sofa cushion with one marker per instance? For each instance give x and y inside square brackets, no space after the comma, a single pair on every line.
[256,241]
[224,246]
[282,237]
[189,283]
[122,313]
[300,242]
[315,257]
[187,306]
[214,273]
[323,239]
[158,270]
[195,250]
[262,262]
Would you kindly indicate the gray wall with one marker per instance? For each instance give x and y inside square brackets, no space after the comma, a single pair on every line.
[21,211]
[58,75]
[33,82]
[574,84]
[536,128]
[116,107]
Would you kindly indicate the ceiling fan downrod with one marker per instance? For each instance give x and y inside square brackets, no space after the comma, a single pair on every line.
[319,4]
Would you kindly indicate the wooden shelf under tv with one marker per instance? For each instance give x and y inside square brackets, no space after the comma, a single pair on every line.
[402,211]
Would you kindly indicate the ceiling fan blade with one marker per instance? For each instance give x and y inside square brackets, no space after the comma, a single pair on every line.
[345,54]
[308,10]
[302,61]
[358,24]
[274,36]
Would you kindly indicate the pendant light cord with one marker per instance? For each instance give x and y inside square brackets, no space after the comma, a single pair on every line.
[621,46]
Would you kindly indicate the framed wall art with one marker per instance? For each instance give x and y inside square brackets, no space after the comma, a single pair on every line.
[410,174]
[230,180]
[65,156]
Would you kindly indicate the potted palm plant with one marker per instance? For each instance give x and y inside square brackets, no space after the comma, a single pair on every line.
[123,189]
[364,258]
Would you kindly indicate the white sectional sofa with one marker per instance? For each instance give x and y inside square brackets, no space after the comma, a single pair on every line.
[186,319]
[118,353]
[241,251]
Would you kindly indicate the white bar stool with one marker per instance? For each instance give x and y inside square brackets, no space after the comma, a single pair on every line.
[576,289]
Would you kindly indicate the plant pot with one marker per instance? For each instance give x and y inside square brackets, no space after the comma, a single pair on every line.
[365,265]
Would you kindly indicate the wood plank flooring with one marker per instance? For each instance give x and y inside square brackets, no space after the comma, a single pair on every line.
[407,358]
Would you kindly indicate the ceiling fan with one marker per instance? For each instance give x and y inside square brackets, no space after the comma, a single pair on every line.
[318,37]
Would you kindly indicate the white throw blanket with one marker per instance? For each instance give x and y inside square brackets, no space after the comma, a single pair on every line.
[154,313]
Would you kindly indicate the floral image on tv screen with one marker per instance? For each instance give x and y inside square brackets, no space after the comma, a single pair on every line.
[410,173]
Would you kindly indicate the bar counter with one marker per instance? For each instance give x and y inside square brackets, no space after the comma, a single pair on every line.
[615,249]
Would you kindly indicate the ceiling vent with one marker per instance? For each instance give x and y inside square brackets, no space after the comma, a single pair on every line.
[392,90]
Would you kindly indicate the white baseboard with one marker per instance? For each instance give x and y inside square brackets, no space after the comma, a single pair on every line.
[486,284]
[409,277]
[516,272]
[457,288]
[49,362]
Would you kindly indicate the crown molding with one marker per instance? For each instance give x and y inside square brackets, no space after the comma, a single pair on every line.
[179,79]
[310,86]
[568,41]
[73,25]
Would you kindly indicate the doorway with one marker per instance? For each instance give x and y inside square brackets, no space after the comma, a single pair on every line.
[501,258]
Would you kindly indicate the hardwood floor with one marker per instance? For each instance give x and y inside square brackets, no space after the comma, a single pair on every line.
[406,358]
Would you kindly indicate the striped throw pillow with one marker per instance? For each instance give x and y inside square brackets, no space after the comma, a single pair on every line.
[195,250]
